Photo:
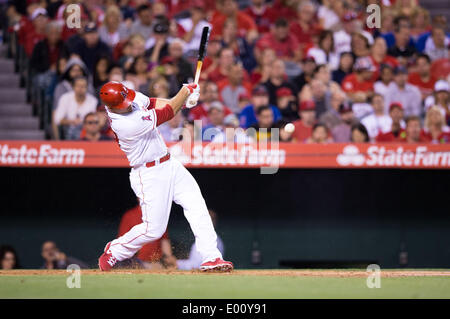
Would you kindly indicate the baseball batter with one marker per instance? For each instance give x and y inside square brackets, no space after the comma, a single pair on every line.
[156,178]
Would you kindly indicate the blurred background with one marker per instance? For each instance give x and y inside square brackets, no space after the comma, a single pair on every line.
[315,64]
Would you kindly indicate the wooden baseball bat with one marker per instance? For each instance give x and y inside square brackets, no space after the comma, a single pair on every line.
[201,53]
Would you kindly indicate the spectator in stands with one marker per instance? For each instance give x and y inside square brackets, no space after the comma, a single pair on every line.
[73,107]
[233,86]
[437,47]
[158,44]
[43,61]
[216,117]
[74,68]
[133,48]
[229,9]
[261,72]
[345,67]
[195,259]
[399,22]
[137,74]
[231,132]
[209,94]
[324,53]
[241,48]
[143,25]
[154,255]
[259,98]
[386,77]
[440,98]
[342,38]
[308,67]
[276,80]
[280,39]
[56,259]
[403,49]
[8,258]
[92,129]
[332,116]
[225,61]
[436,130]
[91,48]
[193,26]
[397,129]
[305,27]
[358,85]
[423,78]
[407,94]
[413,131]
[380,57]
[287,104]
[420,22]
[262,130]
[359,134]
[320,94]
[303,126]
[113,30]
[36,32]
[319,135]
[285,135]
[159,87]
[425,38]
[171,130]
[329,14]
[377,122]
[101,73]
[182,72]
[263,15]
[342,132]
[360,45]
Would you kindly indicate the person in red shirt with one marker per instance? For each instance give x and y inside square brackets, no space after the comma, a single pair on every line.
[358,85]
[39,19]
[423,78]
[436,131]
[306,26]
[154,255]
[262,14]
[304,126]
[281,40]
[397,131]
[229,9]
[226,60]
[379,56]
[209,94]
[286,9]
[412,132]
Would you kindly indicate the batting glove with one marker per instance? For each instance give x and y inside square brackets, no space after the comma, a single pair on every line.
[192,99]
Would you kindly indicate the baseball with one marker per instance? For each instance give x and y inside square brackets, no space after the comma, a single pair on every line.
[290,128]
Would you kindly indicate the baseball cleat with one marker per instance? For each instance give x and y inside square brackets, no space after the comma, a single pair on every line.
[218,264]
[107,261]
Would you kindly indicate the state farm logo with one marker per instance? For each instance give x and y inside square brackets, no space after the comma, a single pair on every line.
[382,156]
[350,156]
[44,155]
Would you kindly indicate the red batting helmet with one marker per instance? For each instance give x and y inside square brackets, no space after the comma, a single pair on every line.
[116,95]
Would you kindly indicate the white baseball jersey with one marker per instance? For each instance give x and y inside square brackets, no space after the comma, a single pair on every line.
[136,132]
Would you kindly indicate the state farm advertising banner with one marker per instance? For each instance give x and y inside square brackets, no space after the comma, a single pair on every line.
[214,155]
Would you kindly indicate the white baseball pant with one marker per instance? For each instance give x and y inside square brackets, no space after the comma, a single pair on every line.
[156,187]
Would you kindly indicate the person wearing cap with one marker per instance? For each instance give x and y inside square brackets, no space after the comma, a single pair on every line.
[303,126]
[259,98]
[407,94]
[36,31]
[377,122]
[280,39]
[286,103]
[158,45]
[423,78]
[209,94]
[193,26]
[342,38]
[397,127]
[359,85]
[440,98]
[92,47]
[342,132]
[216,117]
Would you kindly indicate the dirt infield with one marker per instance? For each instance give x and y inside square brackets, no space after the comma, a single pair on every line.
[268,272]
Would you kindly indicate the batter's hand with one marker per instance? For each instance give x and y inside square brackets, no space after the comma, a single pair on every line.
[192,99]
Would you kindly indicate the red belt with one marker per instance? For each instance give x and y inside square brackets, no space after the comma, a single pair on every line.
[158,161]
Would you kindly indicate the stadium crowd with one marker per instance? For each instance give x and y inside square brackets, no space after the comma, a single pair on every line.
[315,64]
